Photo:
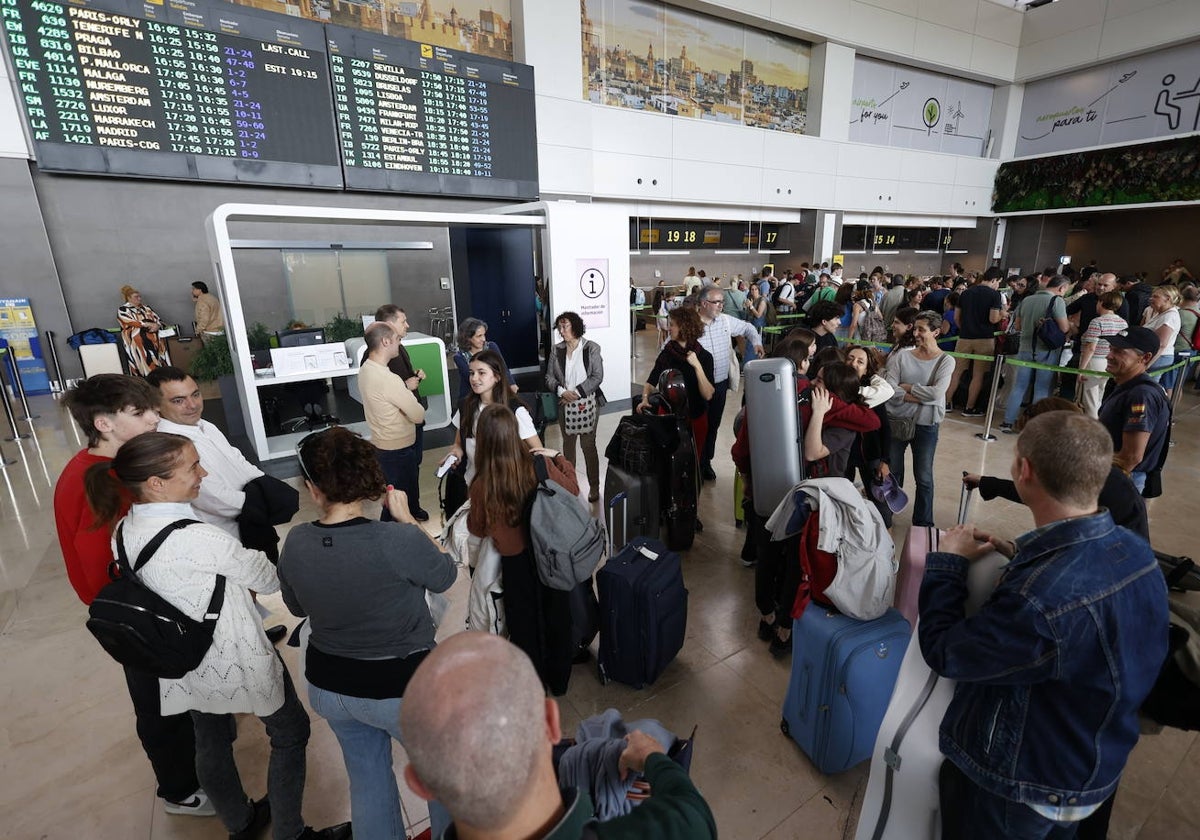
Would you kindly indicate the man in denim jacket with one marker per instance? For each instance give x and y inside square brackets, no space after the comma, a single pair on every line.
[1052,669]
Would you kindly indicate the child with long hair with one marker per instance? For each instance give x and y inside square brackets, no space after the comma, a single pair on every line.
[538,617]
[487,378]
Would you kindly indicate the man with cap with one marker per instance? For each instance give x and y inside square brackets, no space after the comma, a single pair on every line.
[1137,413]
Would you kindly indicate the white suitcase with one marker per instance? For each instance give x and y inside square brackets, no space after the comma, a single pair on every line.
[901,802]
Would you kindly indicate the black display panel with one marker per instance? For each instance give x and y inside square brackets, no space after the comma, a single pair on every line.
[885,238]
[420,118]
[854,237]
[186,89]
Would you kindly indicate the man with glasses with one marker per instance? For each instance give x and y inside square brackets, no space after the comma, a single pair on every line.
[719,332]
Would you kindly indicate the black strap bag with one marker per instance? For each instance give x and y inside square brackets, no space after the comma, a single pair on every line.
[142,630]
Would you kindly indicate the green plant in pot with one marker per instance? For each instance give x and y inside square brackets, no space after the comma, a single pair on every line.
[213,361]
[339,328]
[259,337]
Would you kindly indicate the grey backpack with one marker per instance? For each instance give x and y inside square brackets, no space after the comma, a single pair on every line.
[568,542]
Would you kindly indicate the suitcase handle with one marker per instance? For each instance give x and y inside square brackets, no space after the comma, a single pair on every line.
[964,502]
[623,496]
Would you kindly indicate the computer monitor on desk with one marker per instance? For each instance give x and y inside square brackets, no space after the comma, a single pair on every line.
[302,337]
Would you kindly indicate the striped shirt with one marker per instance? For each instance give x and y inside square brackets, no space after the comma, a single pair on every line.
[717,339]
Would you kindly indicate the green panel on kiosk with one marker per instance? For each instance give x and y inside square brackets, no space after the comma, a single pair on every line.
[426,356]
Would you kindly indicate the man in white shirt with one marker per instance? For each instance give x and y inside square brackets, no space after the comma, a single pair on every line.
[717,339]
[392,413]
[786,301]
[222,496]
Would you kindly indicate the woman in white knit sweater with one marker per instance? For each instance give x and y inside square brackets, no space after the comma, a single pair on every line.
[240,673]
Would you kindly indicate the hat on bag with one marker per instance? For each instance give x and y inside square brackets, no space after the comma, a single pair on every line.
[889,493]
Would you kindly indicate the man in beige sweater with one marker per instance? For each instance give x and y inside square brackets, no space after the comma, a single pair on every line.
[392,412]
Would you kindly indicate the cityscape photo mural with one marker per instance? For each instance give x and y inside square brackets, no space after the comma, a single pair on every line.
[653,57]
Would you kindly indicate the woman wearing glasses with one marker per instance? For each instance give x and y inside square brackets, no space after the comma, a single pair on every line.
[361,582]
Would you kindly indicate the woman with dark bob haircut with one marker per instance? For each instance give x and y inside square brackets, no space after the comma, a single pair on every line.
[574,374]
[361,583]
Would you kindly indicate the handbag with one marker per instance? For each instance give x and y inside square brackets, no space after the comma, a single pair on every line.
[579,416]
[547,406]
[903,428]
[1008,344]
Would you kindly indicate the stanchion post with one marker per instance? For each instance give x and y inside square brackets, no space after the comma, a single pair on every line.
[14,374]
[8,412]
[58,384]
[986,434]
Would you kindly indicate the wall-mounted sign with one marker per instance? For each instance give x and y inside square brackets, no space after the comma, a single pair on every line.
[1152,95]
[591,289]
[899,106]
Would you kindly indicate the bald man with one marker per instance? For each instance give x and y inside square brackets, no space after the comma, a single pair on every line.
[479,731]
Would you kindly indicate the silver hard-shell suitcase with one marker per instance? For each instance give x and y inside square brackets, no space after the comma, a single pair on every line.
[776,463]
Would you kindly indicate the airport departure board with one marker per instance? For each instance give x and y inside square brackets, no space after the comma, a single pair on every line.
[178,90]
[210,91]
[417,117]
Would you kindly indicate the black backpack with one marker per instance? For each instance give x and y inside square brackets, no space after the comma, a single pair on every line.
[141,629]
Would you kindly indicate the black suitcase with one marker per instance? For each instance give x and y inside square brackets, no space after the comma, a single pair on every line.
[643,612]
[631,505]
[680,477]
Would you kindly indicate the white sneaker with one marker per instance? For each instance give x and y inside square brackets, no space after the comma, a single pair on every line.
[196,805]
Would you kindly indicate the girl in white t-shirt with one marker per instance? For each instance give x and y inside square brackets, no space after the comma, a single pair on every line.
[486,376]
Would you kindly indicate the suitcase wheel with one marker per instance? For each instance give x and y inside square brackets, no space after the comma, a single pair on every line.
[784,728]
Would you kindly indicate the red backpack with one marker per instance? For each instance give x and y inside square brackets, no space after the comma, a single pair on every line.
[818,568]
[1196,331]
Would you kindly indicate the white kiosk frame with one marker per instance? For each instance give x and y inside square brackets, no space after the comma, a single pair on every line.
[221,246]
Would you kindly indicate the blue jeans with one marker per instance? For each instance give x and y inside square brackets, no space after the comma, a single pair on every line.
[970,811]
[288,730]
[924,445]
[400,469]
[1167,380]
[1042,381]
[365,729]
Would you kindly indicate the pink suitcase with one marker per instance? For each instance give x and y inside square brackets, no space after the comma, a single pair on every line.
[919,542]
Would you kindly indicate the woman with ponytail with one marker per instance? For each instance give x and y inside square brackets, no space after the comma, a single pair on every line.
[241,673]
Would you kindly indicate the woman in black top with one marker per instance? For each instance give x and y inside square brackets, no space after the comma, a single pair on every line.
[684,354]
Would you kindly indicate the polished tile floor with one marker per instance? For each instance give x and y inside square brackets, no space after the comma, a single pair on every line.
[71,767]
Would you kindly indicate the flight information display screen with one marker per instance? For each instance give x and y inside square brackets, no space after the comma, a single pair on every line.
[420,118]
[180,90]
[203,90]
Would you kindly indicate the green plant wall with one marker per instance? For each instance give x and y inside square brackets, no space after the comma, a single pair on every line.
[1145,173]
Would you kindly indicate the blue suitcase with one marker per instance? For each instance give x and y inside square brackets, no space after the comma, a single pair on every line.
[643,612]
[843,672]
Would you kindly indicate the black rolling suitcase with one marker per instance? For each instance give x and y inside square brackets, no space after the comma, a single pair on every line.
[1182,573]
[643,612]
[631,506]
[680,476]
